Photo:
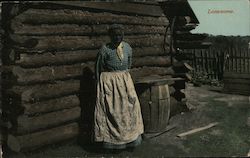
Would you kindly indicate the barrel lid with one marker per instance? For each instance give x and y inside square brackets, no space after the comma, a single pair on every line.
[156,80]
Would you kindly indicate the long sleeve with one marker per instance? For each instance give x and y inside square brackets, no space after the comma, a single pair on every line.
[99,64]
[130,54]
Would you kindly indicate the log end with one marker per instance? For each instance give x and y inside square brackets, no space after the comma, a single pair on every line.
[13,143]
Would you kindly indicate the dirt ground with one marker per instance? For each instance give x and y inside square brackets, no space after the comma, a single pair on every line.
[230,138]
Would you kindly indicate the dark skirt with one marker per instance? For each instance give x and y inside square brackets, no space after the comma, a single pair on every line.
[123,146]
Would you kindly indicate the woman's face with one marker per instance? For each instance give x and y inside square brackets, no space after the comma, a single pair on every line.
[116,36]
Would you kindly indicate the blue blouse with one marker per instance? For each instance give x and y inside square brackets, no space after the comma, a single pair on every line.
[108,60]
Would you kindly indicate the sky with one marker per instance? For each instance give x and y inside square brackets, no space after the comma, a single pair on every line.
[222,17]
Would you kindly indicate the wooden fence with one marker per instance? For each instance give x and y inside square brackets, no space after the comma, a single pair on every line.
[209,62]
[238,60]
[213,62]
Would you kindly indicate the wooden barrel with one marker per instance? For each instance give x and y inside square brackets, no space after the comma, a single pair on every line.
[155,105]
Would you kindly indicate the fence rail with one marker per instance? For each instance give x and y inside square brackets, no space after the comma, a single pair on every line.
[233,56]
[214,62]
[208,61]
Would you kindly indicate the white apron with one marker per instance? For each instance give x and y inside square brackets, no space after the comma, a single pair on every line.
[118,118]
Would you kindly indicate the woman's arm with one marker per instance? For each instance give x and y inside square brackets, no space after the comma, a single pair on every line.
[99,63]
[130,54]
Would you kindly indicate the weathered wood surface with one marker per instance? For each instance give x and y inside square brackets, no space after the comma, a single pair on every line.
[157,80]
[70,57]
[197,129]
[147,71]
[120,7]
[236,83]
[48,73]
[62,43]
[236,91]
[193,44]
[237,87]
[187,36]
[38,139]
[49,50]
[78,30]
[185,76]
[17,74]
[237,80]
[27,124]
[155,106]
[34,93]
[16,107]
[161,61]
[233,75]
[51,105]
[54,58]
[67,16]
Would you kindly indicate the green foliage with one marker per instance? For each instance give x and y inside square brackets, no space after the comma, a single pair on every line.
[202,78]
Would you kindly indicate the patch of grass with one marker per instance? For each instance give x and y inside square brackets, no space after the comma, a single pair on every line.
[234,139]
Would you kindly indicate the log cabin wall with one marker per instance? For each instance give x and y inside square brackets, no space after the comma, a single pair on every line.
[49,54]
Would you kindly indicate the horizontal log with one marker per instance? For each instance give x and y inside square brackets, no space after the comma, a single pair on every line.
[155,80]
[44,43]
[121,7]
[193,44]
[71,57]
[23,76]
[15,107]
[67,16]
[185,76]
[187,36]
[236,91]
[35,93]
[152,61]
[78,30]
[51,105]
[236,81]
[27,124]
[147,71]
[233,75]
[237,86]
[42,138]
[55,58]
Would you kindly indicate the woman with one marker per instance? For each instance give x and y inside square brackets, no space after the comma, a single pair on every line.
[118,120]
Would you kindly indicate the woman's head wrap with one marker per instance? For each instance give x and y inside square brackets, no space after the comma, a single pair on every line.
[115,27]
